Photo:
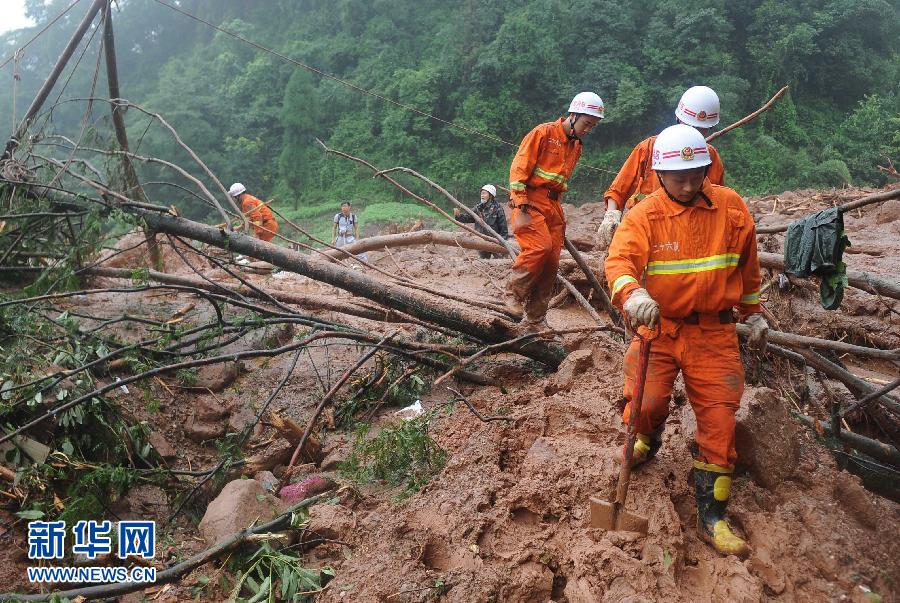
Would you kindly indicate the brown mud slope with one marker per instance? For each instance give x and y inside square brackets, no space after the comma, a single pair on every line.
[507,519]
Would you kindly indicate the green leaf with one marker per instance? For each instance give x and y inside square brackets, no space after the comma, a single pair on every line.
[30,514]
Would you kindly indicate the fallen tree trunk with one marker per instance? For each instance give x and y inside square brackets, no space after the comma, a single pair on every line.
[418,237]
[802,342]
[309,302]
[429,309]
[857,386]
[875,449]
[862,202]
[868,282]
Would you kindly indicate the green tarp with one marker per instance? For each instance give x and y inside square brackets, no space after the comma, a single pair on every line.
[814,246]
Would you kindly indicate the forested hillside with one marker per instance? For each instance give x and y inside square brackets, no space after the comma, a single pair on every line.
[495,67]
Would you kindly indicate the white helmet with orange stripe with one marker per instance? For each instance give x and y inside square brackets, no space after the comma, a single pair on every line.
[587,103]
[680,147]
[698,107]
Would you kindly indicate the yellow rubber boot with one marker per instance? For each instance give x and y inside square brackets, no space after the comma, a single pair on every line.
[645,448]
[713,489]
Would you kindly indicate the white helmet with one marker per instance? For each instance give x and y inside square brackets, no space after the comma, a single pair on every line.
[237,189]
[587,103]
[680,147]
[699,107]
[491,189]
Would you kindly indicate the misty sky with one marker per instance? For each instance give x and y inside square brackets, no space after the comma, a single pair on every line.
[12,15]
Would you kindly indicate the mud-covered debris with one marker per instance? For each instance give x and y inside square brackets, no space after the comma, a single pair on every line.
[766,438]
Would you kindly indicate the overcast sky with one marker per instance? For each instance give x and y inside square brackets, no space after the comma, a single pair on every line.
[12,15]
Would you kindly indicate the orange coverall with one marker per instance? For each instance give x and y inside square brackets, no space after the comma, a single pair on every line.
[698,263]
[264,225]
[636,178]
[537,178]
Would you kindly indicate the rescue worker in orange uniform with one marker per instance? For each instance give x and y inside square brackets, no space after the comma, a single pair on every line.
[685,258]
[537,181]
[698,107]
[264,225]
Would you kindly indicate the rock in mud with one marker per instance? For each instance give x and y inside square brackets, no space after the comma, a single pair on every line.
[888,212]
[162,446]
[217,377]
[574,366]
[201,431]
[241,504]
[766,438]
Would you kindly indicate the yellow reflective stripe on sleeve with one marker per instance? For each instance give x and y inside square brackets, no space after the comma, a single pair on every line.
[517,186]
[621,282]
[549,175]
[750,298]
[711,467]
[688,265]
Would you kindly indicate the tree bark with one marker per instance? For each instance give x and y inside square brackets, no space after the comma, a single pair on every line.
[132,183]
[47,87]
[867,200]
[868,282]
[429,309]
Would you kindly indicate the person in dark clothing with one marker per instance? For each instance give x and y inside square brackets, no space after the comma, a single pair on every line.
[490,211]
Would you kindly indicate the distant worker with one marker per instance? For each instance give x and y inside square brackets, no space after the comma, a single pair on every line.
[489,210]
[260,216]
[698,107]
[345,229]
[537,180]
[685,258]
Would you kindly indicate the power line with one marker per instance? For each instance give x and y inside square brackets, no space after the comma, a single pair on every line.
[38,34]
[351,85]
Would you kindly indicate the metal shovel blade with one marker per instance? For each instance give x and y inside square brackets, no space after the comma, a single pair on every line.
[610,516]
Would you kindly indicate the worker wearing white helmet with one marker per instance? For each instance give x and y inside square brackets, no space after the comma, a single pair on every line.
[685,260]
[698,107]
[538,178]
[265,227]
[489,210]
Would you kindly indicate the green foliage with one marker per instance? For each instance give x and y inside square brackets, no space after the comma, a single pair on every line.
[272,575]
[497,67]
[387,383]
[402,454]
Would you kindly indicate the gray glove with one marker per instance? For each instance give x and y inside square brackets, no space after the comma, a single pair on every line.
[641,309]
[759,331]
[607,229]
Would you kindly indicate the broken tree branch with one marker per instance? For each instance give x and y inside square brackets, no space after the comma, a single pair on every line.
[47,87]
[331,393]
[595,284]
[866,281]
[862,202]
[485,419]
[802,342]
[877,450]
[750,117]
[485,328]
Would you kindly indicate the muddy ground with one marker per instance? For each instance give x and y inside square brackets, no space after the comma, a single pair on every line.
[507,518]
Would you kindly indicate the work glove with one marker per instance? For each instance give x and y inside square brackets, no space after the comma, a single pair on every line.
[608,226]
[759,331]
[641,309]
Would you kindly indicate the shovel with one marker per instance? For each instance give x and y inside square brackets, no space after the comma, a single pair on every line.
[612,515]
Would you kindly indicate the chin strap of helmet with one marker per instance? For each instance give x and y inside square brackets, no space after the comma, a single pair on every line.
[573,117]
